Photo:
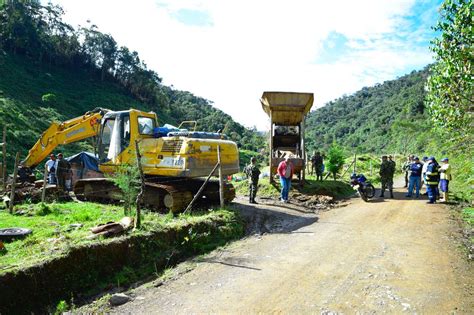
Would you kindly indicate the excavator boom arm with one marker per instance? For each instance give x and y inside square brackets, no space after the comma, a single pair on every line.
[76,129]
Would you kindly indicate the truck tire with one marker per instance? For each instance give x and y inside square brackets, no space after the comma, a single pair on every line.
[10,234]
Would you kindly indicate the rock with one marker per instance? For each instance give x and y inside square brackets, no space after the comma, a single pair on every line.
[119,299]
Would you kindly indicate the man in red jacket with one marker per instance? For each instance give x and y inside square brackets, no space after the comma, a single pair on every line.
[285,170]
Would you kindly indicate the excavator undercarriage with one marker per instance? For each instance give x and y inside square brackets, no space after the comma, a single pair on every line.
[164,195]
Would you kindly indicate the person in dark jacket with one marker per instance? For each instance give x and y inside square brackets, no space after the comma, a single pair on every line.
[62,171]
[415,177]
[432,179]
[386,176]
[252,173]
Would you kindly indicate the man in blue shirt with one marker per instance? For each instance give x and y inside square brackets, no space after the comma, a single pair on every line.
[415,178]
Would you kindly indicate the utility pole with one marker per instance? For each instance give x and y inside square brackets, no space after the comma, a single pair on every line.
[142,186]
[15,172]
[221,179]
[4,155]
[45,182]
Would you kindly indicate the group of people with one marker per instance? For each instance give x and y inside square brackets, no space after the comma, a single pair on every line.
[427,171]
[59,172]
[285,170]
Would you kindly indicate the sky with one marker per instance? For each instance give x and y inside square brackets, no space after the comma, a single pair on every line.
[230,52]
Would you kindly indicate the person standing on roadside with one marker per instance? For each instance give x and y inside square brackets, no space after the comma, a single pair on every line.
[252,171]
[415,178]
[406,168]
[432,179]
[285,170]
[51,166]
[386,176]
[423,172]
[62,171]
[318,165]
[445,177]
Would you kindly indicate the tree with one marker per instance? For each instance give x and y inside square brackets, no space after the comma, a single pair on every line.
[127,178]
[335,159]
[450,96]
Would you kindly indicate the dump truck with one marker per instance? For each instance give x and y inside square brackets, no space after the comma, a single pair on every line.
[287,112]
[173,161]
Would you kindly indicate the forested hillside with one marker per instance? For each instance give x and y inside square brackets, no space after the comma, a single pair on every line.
[51,71]
[388,117]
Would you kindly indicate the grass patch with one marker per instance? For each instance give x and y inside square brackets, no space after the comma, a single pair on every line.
[468,216]
[53,235]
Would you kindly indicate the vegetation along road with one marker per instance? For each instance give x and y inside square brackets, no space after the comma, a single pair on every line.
[383,256]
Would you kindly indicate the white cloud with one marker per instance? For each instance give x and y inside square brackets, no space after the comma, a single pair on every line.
[253,46]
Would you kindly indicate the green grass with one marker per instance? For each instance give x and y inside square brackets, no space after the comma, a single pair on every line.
[468,216]
[53,236]
[332,188]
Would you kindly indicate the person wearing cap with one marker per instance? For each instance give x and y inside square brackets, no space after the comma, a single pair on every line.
[386,176]
[415,178]
[432,179]
[285,171]
[252,171]
[445,177]
[51,165]
[62,171]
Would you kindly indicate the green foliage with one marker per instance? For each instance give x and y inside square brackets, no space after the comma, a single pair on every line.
[335,159]
[450,86]
[61,307]
[375,119]
[48,98]
[127,178]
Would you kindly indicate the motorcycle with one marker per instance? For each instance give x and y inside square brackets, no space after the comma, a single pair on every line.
[364,187]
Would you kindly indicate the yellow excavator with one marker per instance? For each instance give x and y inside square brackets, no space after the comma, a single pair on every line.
[173,162]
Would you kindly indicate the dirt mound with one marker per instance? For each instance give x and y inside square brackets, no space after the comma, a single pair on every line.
[315,202]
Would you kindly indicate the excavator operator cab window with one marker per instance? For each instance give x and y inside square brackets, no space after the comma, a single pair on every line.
[115,137]
[146,125]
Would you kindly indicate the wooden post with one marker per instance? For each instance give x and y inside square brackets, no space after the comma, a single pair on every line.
[198,194]
[355,163]
[303,151]
[45,182]
[221,179]
[271,148]
[4,155]
[142,186]
[15,172]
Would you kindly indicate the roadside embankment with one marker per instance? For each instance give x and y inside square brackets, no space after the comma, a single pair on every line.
[86,269]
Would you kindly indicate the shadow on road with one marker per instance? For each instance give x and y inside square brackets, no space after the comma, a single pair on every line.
[264,218]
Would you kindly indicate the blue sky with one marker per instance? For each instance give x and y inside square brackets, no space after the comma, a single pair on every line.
[230,52]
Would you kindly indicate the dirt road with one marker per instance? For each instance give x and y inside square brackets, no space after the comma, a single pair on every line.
[384,256]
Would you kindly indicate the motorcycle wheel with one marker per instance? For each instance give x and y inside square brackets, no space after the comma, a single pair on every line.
[363,194]
[370,191]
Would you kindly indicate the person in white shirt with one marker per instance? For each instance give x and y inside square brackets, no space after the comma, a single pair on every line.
[51,166]
[445,175]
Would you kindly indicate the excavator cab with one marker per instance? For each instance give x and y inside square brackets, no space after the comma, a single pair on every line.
[118,133]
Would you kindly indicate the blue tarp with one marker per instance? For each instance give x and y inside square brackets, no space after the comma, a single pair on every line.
[88,161]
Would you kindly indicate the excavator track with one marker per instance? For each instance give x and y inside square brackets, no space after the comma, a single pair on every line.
[160,196]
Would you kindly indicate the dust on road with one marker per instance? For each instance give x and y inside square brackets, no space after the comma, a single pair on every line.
[384,256]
